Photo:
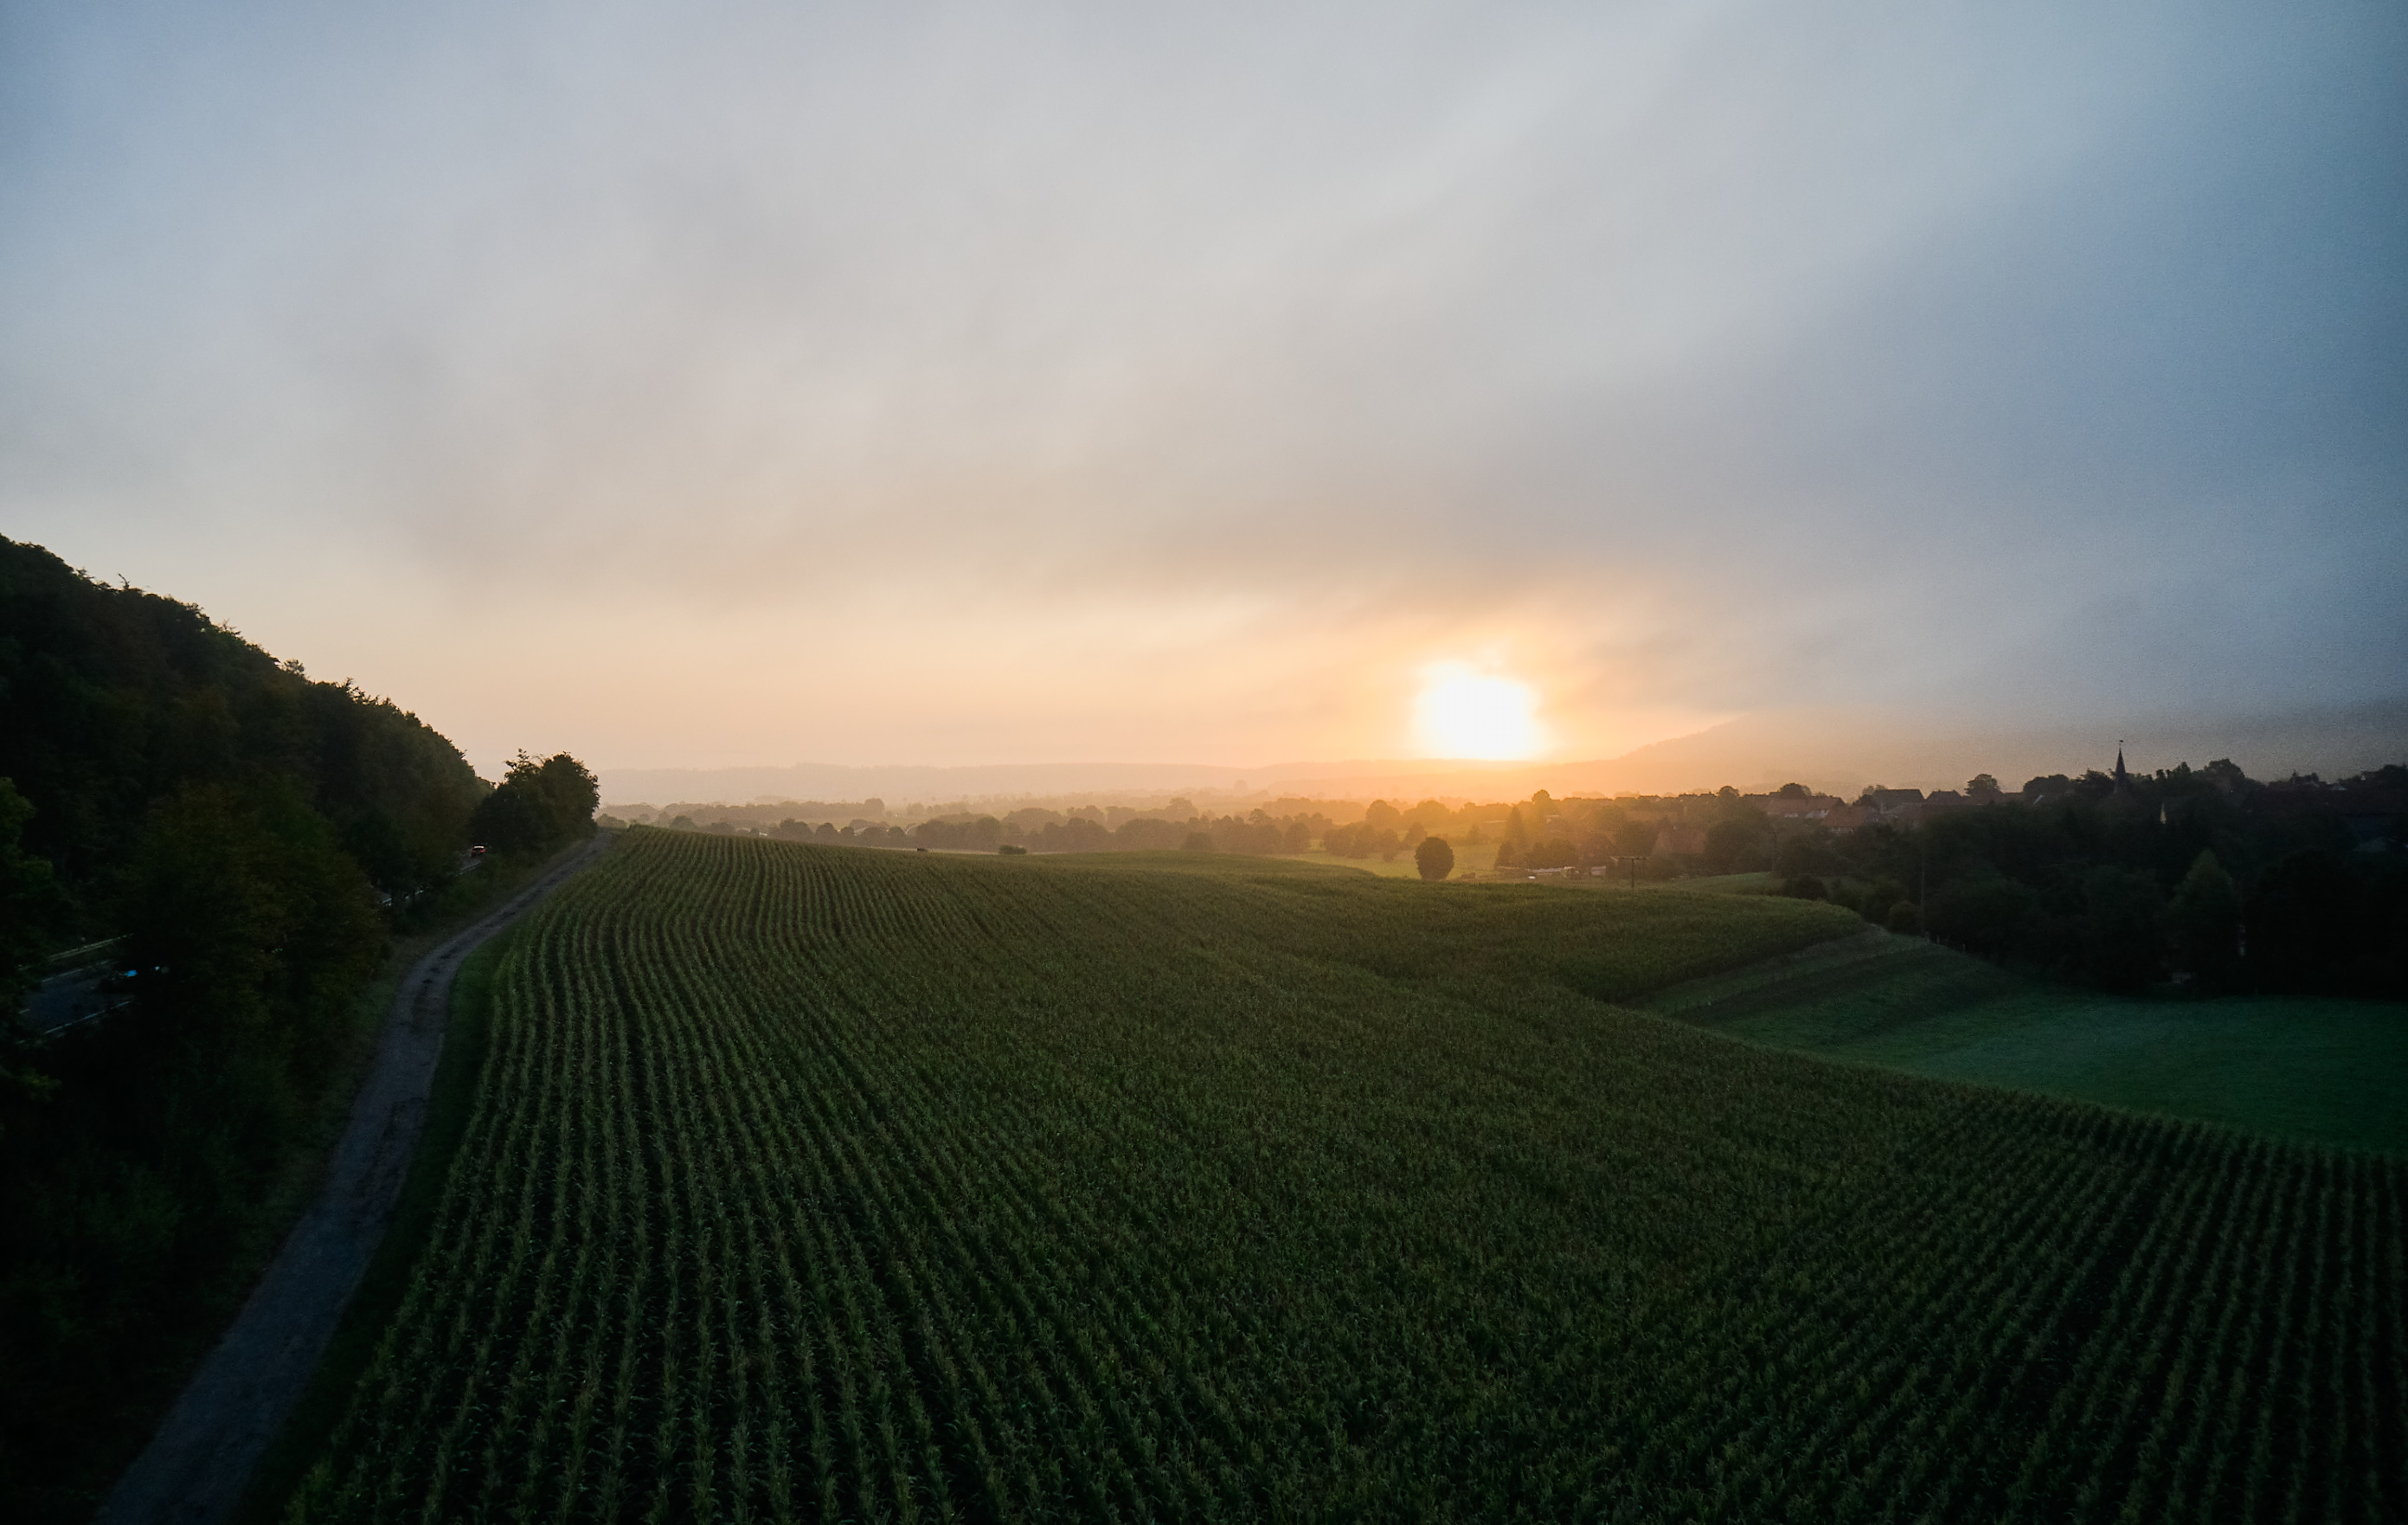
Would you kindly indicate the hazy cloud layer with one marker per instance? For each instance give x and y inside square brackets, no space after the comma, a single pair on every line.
[746,382]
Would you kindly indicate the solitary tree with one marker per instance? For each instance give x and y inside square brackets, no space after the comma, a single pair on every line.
[1434,858]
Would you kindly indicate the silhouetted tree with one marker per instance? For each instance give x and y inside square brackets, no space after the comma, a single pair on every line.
[2122,915]
[539,805]
[1805,852]
[2203,923]
[2301,919]
[1738,841]
[1434,857]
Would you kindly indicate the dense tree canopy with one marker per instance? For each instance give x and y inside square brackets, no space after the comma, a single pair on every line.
[112,699]
[2199,877]
[537,805]
[239,836]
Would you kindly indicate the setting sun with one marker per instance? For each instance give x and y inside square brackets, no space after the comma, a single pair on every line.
[1463,713]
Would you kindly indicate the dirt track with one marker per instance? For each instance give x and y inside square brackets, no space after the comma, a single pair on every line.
[194,1470]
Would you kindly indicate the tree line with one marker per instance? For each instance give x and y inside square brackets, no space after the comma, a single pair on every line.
[2199,879]
[2204,880]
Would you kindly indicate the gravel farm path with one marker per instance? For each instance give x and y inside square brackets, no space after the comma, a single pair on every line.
[193,1470]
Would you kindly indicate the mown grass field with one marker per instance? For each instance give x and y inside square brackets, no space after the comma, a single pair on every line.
[803,1182]
[2335,1071]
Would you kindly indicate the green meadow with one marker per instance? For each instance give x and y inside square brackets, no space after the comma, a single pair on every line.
[2335,1071]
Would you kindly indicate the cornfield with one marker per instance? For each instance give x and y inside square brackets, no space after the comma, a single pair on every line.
[808,1182]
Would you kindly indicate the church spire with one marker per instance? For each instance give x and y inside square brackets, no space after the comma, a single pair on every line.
[2123,779]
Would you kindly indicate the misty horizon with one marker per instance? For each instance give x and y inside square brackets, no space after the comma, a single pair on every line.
[963,385]
[1833,755]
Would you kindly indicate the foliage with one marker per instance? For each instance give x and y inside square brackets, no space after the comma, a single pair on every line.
[2174,874]
[842,1185]
[29,899]
[2203,923]
[1635,838]
[537,806]
[111,699]
[229,826]
[1739,841]
[1434,858]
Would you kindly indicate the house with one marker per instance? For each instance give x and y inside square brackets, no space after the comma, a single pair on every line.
[1844,818]
[1898,807]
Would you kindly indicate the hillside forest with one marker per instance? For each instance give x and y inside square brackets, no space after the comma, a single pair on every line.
[221,849]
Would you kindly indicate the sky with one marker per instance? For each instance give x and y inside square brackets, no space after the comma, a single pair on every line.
[735,383]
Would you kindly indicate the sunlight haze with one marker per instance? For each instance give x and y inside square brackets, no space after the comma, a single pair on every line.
[1462,713]
[749,384]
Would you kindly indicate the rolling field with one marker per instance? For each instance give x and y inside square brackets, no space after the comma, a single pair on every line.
[1468,859]
[803,1182]
[2296,1067]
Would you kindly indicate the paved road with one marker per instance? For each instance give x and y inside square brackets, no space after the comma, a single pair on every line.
[80,995]
[194,1470]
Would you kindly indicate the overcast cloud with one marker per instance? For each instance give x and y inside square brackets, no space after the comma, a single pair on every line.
[733,383]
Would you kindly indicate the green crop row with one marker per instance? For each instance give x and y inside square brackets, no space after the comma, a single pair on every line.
[806,1181]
